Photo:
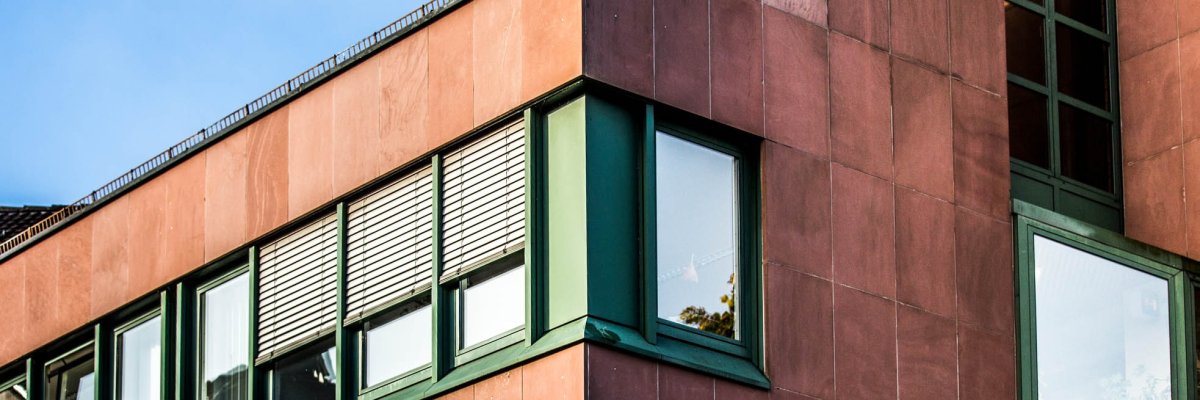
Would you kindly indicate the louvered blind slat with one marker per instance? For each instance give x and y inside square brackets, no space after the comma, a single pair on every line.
[483,212]
[390,244]
[297,286]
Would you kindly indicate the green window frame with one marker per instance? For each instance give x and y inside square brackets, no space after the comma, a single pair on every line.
[192,311]
[91,350]
[1178,274]
[1051,185]
[16,388]
[164,351]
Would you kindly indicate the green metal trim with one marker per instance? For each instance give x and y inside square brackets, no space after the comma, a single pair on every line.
[184,347]
[398,383]
[1182,384]
[535,226]
[115,359]
[345,357]
[99,353]
[649,219]
[439,300]
[255,382]
[35,379]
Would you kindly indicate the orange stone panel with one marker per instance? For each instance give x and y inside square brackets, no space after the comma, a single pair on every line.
[310,162]
[1154,205]
[558,376]
[12,297]
[110,256]
[184,229]
[467,393]
[356,126]
[404,114]
[41,290]
[74,274]
[267,173]
[147,223]
[451,98]
[497,46]
[552,45]
[225,196]
[503,386]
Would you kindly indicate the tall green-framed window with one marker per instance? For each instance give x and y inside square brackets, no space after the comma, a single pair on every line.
[224,337]
[72,376]
[1101,316]
[139,350]
[1064,131]
[14,389]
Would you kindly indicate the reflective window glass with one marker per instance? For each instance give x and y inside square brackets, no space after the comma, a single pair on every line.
[696,190]
[308,375]
[1086,146]
[224,340]
[14,392]
[398,343]
[1102,328]
[492,305]
[139,366]
[1082,66]
[1026,40]
[1028,136]
[71,377]
[1092,13]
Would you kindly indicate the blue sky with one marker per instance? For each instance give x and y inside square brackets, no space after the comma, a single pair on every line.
[91,89]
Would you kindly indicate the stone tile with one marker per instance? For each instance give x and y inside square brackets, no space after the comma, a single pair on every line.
[796,210]
[1144,25]
[184,233]
[619,376]
[786,395]
[75,273]
[865,20]
[13,341]
[983,257]
[498,46]
[1150,113]
[860,106]
[920,31]
[865,331]
[726,390]
[356,103]
[41,291]
[799,339]
[1191,179]
[1189,16]
[619,45]
[450,75]
[503,386]
[864,226]
[226,163]
[737,64]
[986,365]
[267,174]
[467,393]
[977,43]
[815,11]
[925,274]
[310,136]
[1154,205]
[924,129]
[110,258]
[553,45]
[147,227]
[981,164]
[797,82]
[680,384]
[404,112]
[927,355]
[558,376]
[1189,73]
[681,44]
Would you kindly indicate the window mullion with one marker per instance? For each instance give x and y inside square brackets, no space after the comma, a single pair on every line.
[437,293]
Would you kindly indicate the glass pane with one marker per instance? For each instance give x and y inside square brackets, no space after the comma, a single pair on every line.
[16,392]
[400,345]
[225,339]
[308,375]
[140,364]
[71,378]
[493,306]
[1102,328]
[1089,12]
[1086,142]
[697,233]
[1026,41]
[1028,139]
[1082,66]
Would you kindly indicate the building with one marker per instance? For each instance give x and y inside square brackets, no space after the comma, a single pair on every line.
[626,199]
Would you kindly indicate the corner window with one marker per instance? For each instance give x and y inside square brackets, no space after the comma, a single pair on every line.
[72,376]
[1063,127]
[309,374]
[139,360]
[224,311]
[697,226]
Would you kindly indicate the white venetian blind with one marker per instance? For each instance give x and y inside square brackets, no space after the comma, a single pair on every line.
[390,244]
[483,213]
[297,286]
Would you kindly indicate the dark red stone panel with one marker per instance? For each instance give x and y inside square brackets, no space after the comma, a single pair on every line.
[796,210]
[267,174]
[983,254]
[924,130]
[986,364]
[1145,24]
[619,376]
[814,11]
[799,323]
[737,64]
[925,274]
[1154,202]
[1191,179]
[977,43]
[981,164]
[727,390]
[1150,103]
[797,82]
[920,31]
[618,43]
[681,384]
[860,93]
[1189,74]
[865,20]
[681,44]
[864,227]
[865,330]
[927,355]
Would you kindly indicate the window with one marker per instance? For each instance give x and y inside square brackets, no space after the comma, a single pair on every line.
[307,375]
[492,304]
[224,331]
[14,390]
[1063,127]
[139,360]
[71,377]
[397,343]
[696,224]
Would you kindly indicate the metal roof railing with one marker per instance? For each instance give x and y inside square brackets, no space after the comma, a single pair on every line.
[217,129]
